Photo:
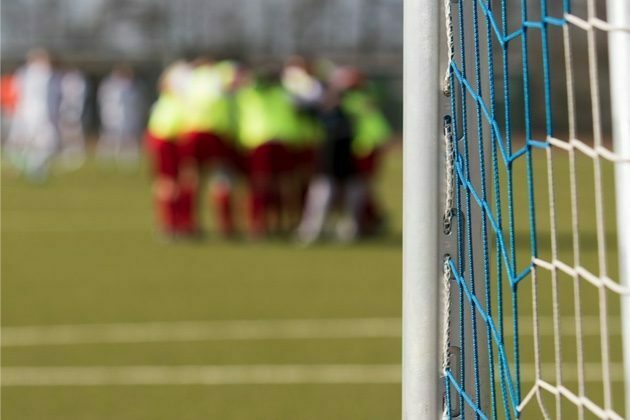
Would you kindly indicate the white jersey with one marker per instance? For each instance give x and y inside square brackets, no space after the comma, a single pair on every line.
[34,136]
[35,119]
[120,105]
[73,94]
[34,104]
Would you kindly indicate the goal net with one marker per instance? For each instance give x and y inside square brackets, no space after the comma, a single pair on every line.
[533,252]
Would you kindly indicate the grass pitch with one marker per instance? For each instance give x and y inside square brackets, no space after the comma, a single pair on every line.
[81,250]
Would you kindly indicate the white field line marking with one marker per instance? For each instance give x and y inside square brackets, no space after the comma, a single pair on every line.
[75,229]
[592,372]
[248,374]
[590,325]
[250,330]
[201,331]
[202,375]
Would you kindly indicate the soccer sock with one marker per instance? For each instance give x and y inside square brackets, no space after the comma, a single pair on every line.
[165,201]
[273,205]
[370,216]
[166,214]
[319,199]
[223,204]
[185,210]
[257,205]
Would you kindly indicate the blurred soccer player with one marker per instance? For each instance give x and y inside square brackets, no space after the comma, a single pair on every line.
[33,138]
[175,215]
[354,131]
[121,108]
[207,144]
[306,92]
[71,108]
[268,125]
[8,100]
[336,176]
[371,132]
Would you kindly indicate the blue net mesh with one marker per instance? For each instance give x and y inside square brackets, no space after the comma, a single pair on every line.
[483,378]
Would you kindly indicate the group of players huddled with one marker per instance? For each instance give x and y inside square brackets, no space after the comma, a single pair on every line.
[306,138]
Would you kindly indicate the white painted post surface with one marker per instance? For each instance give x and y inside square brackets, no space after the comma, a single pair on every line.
[619,52]
[421,262]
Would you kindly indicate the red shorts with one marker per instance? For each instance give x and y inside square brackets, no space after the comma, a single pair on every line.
[165,156]
[271,158]
[368,165]
[206,148]
[305,159]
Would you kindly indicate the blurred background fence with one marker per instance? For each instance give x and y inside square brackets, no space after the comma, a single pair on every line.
[149,33]
[94,34]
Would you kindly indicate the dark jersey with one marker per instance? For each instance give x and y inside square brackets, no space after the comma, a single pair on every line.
[335,158]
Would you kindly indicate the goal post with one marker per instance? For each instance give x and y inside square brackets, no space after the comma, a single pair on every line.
[619,17]
[420,359]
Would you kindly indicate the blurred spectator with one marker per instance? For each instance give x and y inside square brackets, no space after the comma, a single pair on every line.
[71,109]
[33,138]
[121,112]
[8,102]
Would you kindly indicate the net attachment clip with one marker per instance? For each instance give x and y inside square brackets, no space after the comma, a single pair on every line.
[449,193]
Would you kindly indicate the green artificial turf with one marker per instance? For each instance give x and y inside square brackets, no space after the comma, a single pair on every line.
[81,249]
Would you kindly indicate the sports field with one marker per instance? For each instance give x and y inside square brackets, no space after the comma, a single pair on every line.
[213,329]
[81,250]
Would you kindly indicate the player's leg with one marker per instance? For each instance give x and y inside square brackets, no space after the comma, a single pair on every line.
[372,217]
[260,180]
[221,161]
[129,152]
[318,201]
[42,146]
[281,194]
[192,159]
[164,156]
[106,145]
[296,176]
[73,153]
[14,148]
[353,205]
[306,158]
